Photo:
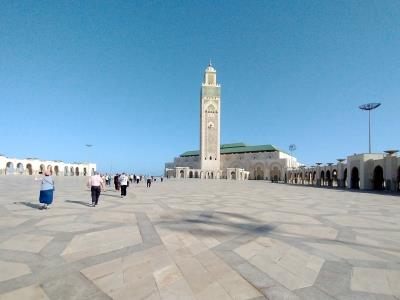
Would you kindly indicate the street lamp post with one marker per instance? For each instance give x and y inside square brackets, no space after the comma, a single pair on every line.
[292,147]
[88,162]
[369,107]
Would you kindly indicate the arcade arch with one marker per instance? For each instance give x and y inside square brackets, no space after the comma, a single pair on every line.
[355,178]
[10,168]
[275,173]
[20,168]
[29,169]
[322,178]
[334,178]
[328,178]
[378,180]
[398,179]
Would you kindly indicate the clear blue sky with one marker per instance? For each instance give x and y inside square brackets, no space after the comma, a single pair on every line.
[125,77]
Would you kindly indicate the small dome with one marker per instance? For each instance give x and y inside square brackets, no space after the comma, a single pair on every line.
[210,68]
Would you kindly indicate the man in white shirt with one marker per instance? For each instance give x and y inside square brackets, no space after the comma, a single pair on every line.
[96,184]
[123,180]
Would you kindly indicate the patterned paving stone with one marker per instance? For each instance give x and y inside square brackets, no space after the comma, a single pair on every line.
[26,242]
[11,270]
[377,281]
[26,293]
[198,240]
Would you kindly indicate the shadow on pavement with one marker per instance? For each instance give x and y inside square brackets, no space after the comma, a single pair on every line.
[217,224]
[78,202]
[108,195]
[29,204]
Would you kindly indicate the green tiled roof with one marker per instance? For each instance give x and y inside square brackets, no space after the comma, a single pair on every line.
[234,145]
[237,148]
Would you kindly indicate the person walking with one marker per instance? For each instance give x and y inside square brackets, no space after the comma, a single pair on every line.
[116,182]
[149,181]
[96,184]
[123,180]
[46,190]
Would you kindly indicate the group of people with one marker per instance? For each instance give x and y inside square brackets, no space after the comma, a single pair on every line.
[96,183]
[121,183]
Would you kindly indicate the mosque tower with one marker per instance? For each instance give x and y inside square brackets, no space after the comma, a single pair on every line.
[210,108]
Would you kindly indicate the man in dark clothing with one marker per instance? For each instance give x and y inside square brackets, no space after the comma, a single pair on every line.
[116,182]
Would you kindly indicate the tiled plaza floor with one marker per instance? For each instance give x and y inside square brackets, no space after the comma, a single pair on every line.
[198,240]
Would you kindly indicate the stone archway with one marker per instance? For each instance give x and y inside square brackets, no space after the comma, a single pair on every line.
[71,171]
[196,174]
[258,174]
[182,174]
[10,168]
[190,174]
[398,179]
[42,168]
[84,172]
[233,175]
[20,168]
[328,178]
[378,180]
[322,178]
[355,179]
[314,177]
[56,170]
[334,178]
[275,174]
[345,178]
[29,169]
[77,171]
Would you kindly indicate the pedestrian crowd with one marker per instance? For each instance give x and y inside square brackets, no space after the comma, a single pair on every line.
[97,183]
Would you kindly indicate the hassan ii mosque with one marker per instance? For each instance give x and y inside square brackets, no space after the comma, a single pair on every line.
[236,161]
[365,171]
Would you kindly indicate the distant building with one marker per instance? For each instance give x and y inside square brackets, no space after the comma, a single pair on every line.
[35,166]
[230,161]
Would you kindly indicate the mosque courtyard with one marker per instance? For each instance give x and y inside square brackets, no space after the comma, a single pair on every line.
[198,239]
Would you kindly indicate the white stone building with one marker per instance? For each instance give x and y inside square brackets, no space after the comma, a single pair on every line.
[367,171]
[230,161]
[35,166]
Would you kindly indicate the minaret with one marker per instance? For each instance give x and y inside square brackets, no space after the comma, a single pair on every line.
[210,121]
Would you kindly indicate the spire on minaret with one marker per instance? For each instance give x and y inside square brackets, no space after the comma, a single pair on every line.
[209,64]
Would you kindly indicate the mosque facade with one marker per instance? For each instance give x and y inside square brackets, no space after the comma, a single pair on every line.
[237,161]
